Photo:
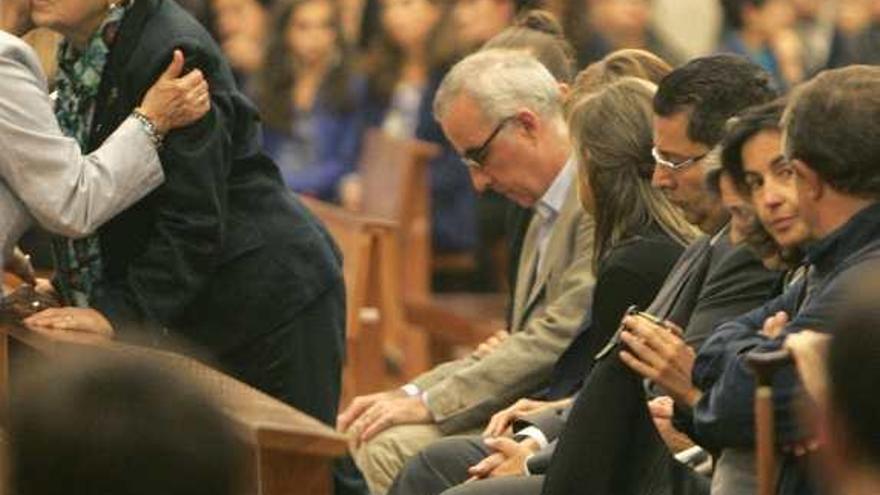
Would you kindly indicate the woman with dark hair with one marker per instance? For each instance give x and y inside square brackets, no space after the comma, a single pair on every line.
[754,136]
[410,48]
[408,51]
[308,95]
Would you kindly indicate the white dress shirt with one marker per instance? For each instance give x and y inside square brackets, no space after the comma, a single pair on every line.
[550,204]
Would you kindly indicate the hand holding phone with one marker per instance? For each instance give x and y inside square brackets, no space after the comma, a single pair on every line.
[656,350]
[634,311]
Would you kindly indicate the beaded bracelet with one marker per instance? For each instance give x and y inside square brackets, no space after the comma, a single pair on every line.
[150,127]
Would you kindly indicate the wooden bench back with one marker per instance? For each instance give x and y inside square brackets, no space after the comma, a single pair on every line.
[291,451]
[395,181]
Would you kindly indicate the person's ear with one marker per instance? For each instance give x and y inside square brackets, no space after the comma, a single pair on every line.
[564,90]
[529,122]
[807,179]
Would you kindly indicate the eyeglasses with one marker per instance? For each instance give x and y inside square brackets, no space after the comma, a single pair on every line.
[474,157]
[661,160]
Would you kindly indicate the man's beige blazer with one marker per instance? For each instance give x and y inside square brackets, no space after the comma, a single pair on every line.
[548,308]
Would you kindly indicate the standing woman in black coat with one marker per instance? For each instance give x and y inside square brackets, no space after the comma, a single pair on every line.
[220,255]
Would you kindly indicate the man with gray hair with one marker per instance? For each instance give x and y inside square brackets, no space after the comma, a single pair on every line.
[502,112]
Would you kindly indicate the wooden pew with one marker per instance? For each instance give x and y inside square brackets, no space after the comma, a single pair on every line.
[290,452]
[374,310]
[394,175]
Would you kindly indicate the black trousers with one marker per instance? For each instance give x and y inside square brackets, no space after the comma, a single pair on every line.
[442,468]
[300,363]
[610,445]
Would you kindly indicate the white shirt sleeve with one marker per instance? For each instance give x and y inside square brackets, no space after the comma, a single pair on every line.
[535,434]
[67,192]
[411,389]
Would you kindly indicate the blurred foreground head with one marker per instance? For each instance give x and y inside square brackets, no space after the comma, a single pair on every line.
[850,432]
[106,425]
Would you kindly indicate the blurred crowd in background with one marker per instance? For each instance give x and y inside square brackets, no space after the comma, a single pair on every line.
[322,72]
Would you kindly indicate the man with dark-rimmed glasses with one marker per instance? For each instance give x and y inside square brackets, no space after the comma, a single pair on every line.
[473,157]
[502,112]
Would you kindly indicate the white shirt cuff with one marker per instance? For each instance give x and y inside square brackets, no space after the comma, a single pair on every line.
[535,434]
[411,389]
[686,455]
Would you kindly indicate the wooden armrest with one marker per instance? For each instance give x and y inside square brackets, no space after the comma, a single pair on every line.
[458,319]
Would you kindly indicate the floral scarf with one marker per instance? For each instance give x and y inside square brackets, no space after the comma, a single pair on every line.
[78,261]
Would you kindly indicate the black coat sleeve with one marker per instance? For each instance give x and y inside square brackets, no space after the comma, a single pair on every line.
[737,284]
[631,275]
[189,216]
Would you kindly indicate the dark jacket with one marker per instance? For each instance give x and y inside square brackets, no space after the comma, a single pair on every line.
[724,416]
[709,283]
[221,253]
